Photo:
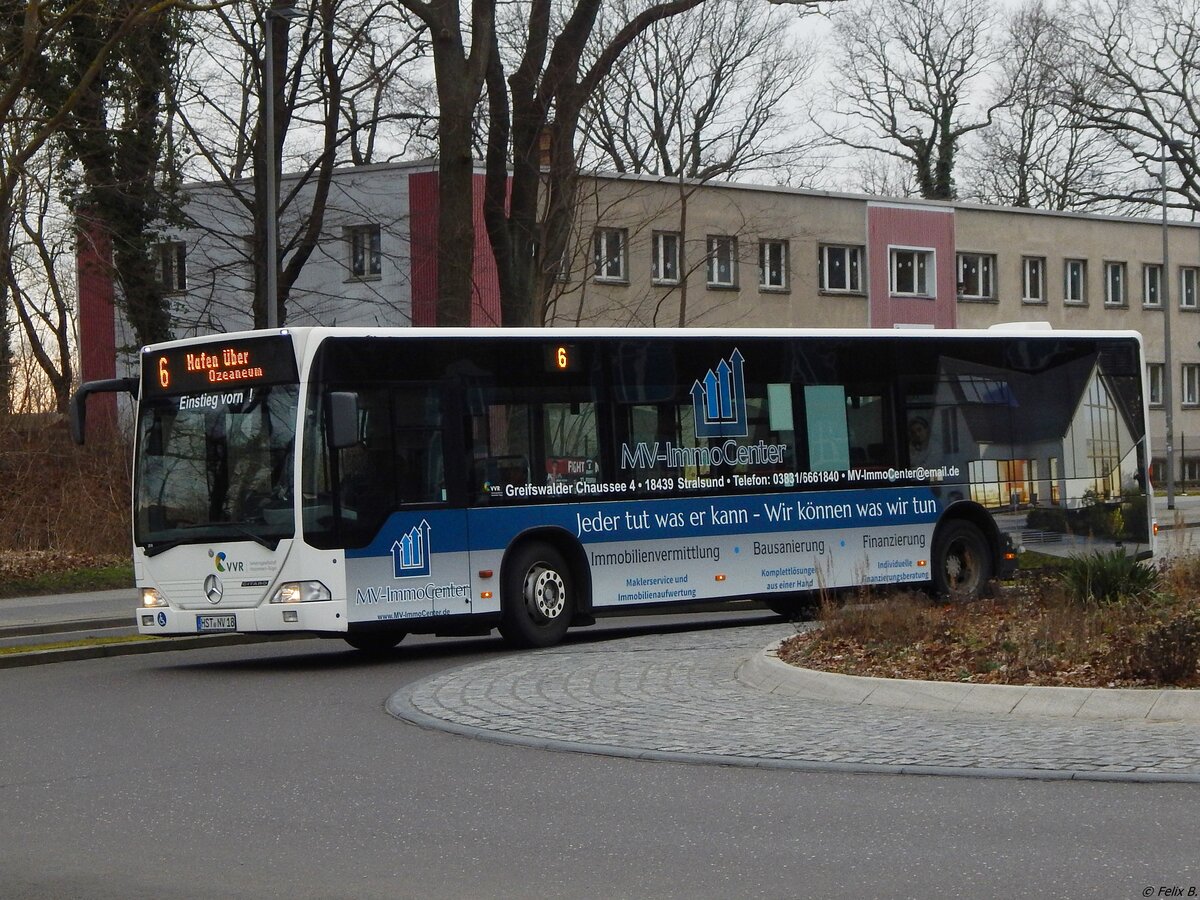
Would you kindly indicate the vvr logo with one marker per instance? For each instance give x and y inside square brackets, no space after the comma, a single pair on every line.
[720,401]
[224,564]
[410,554]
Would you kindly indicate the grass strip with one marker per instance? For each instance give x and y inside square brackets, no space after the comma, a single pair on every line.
[82,642]
[95,578]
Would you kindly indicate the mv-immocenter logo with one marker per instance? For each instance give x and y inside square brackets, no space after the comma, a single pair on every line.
[410,553]
[719,401]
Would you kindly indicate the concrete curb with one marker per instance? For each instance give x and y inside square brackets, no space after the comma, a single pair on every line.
[767,672]
[65,627]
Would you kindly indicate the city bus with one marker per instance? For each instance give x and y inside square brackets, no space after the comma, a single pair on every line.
[370,483]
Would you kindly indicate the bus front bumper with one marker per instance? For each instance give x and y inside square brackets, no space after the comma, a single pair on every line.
[320,616]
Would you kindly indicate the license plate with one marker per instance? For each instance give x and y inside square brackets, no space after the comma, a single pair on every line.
[216,623]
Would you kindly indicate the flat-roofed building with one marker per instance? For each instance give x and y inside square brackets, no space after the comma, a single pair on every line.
[654,251]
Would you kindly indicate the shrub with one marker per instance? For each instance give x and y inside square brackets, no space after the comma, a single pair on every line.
[1107,577]
[1044,518]
[58,497]
[1166,653]
[894,619]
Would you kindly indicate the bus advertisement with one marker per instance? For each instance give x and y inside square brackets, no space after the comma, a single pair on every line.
[372,483]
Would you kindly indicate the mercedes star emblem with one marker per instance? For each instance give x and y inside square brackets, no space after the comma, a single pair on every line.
[213,589]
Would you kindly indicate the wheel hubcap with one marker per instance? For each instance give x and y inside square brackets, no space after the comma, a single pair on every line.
[961,570]
[545,592]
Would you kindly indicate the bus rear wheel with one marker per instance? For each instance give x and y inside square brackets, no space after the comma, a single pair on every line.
[537,596]
[375,641]
[962,561]
[793,609]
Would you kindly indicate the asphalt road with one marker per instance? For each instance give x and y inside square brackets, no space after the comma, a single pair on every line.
[273,770]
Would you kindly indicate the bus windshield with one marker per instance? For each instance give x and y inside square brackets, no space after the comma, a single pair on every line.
[216,466]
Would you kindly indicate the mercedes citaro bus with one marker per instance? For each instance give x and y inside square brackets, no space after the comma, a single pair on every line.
[368,483]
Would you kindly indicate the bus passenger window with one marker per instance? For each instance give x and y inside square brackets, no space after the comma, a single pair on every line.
[417,456]
[828,434]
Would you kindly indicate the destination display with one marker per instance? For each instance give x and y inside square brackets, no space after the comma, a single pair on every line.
[195,369]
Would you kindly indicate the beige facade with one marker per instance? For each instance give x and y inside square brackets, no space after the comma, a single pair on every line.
[1072,270]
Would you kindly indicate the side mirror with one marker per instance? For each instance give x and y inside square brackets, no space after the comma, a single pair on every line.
[342,410]
[77,417]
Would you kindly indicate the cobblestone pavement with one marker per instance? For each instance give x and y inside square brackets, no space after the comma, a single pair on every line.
[677,697]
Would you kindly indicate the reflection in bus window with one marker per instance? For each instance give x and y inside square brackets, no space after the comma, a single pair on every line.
[398,462]
[517,444]
[217,458]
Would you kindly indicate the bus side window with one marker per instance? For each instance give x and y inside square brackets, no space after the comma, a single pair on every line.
[367,486]
[417,437]
[501,448]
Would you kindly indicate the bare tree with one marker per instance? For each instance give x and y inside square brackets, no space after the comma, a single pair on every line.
[536,94]
[907,70]
[34,96]
[680,104]
[340,90]
[114,136]
[1039,151]
[42,237]
[460,73]
[1145,59]
[533,124]
[683,102]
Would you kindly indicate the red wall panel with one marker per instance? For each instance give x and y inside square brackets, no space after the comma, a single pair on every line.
[897,225]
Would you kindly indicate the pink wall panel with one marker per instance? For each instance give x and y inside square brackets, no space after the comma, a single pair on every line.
[423,225]
[97,317]
[891,226]
[423,217]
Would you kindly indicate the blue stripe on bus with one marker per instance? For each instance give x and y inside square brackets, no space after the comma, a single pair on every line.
[625,520]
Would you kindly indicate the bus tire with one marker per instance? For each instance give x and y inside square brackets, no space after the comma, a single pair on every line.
[962,561]
[375,641]
[537,596]
[791,608]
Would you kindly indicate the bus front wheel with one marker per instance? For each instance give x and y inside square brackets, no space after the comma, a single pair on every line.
[962,561]
[537,598]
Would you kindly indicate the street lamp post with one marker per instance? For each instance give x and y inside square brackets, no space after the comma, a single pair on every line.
[1165,291]
[286,14]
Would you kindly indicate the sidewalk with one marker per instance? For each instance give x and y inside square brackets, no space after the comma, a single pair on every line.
[91,624]
[48,613]
[701,697]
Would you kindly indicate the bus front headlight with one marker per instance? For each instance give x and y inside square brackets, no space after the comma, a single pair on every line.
[152,598]
[301,592]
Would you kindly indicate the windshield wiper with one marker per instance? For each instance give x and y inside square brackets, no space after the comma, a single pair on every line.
[153,548]
[257,538]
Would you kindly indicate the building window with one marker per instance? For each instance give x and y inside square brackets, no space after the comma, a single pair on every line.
[365,255]
[1114,284]
[1191,385]
[1075,281]
[1033,279]
[1154,375]
[910,272]
[976,280]
[1151,284]
[610,254]
[722,261]
[1188,287]
[840,268]
[772,265]
[171,260]
[665,265]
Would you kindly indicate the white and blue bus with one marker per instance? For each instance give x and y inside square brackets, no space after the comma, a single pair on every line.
[372,483]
